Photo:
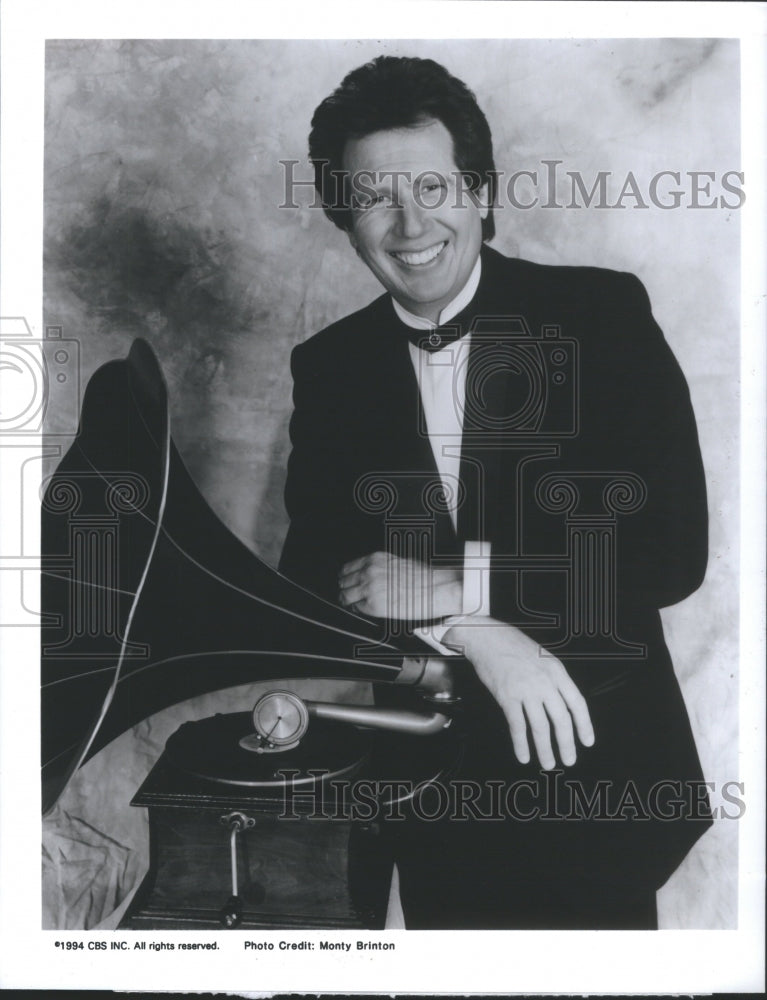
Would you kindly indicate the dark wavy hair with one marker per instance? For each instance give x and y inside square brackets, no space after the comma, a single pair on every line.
[397,92]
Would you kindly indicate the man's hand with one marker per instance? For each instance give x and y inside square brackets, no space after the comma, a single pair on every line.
[385,586]
[531,689]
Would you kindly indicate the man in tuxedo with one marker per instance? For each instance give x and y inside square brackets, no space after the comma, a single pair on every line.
[547,407]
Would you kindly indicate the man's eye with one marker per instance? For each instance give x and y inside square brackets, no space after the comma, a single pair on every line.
[374,201]
[431,194]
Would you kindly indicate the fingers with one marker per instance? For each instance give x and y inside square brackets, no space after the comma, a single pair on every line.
[355,565]
[518,726]
[560,713]
[352,596]
[541,733]
[354,581]
[534,689]
[373,561]
[563,728]
[350,579]
[578,708]
[351,582]
[565,711]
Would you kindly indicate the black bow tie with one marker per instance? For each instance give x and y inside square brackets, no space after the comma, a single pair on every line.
[440,336]
[434,340]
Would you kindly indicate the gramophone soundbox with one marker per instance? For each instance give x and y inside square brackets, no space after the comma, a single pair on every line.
[275,840]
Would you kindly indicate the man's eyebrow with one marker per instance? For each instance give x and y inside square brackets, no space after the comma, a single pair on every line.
[367,182]
[394,175]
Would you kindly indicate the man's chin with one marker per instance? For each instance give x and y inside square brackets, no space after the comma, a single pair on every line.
[428,301]
[424,292]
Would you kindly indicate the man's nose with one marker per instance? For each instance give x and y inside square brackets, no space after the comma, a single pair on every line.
[412,218]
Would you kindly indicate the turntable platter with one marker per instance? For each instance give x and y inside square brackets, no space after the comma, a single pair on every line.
[210,749]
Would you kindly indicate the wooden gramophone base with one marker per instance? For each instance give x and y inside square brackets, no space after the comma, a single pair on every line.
[299,874]
[305,862]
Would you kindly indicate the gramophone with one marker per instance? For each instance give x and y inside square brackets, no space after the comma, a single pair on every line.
[148,599]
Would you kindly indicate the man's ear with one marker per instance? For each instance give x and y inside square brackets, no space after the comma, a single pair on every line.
[483,200]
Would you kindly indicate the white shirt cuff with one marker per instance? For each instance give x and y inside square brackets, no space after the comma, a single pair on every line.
[476,578]
[433,635]
[476,596]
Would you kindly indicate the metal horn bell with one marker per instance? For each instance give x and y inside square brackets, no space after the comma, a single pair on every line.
[148,599]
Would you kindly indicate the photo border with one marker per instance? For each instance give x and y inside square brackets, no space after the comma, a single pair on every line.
[429,962]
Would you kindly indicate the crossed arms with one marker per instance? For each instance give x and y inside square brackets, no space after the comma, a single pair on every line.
[642,419]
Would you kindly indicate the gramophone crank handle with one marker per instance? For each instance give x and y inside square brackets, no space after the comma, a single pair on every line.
[231,913]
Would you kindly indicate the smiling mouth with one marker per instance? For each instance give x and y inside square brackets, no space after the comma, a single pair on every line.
[420,257]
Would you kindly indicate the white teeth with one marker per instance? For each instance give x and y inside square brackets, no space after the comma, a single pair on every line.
[423,256]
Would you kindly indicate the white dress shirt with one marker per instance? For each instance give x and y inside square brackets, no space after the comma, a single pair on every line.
[441,377]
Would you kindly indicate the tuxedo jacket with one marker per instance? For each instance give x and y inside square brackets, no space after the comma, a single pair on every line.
[580,465]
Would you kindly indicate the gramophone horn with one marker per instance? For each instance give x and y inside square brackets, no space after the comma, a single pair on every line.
[148,599]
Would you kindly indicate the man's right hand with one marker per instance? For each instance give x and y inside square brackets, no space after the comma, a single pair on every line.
[532,689]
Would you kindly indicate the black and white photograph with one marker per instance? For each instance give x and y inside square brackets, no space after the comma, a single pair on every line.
[379,427]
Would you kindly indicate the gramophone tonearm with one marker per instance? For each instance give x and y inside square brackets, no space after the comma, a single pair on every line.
[281,718]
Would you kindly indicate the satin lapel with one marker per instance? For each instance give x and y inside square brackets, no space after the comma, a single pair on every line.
[505,308]
[488,398]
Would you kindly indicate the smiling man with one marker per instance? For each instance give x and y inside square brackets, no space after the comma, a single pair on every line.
[548,408]
[424,252]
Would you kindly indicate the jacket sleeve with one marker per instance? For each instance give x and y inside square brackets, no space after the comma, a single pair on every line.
[636,417]
[316,493]
[663,547]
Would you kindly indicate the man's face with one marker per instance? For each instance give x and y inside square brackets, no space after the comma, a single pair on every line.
[415,224]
